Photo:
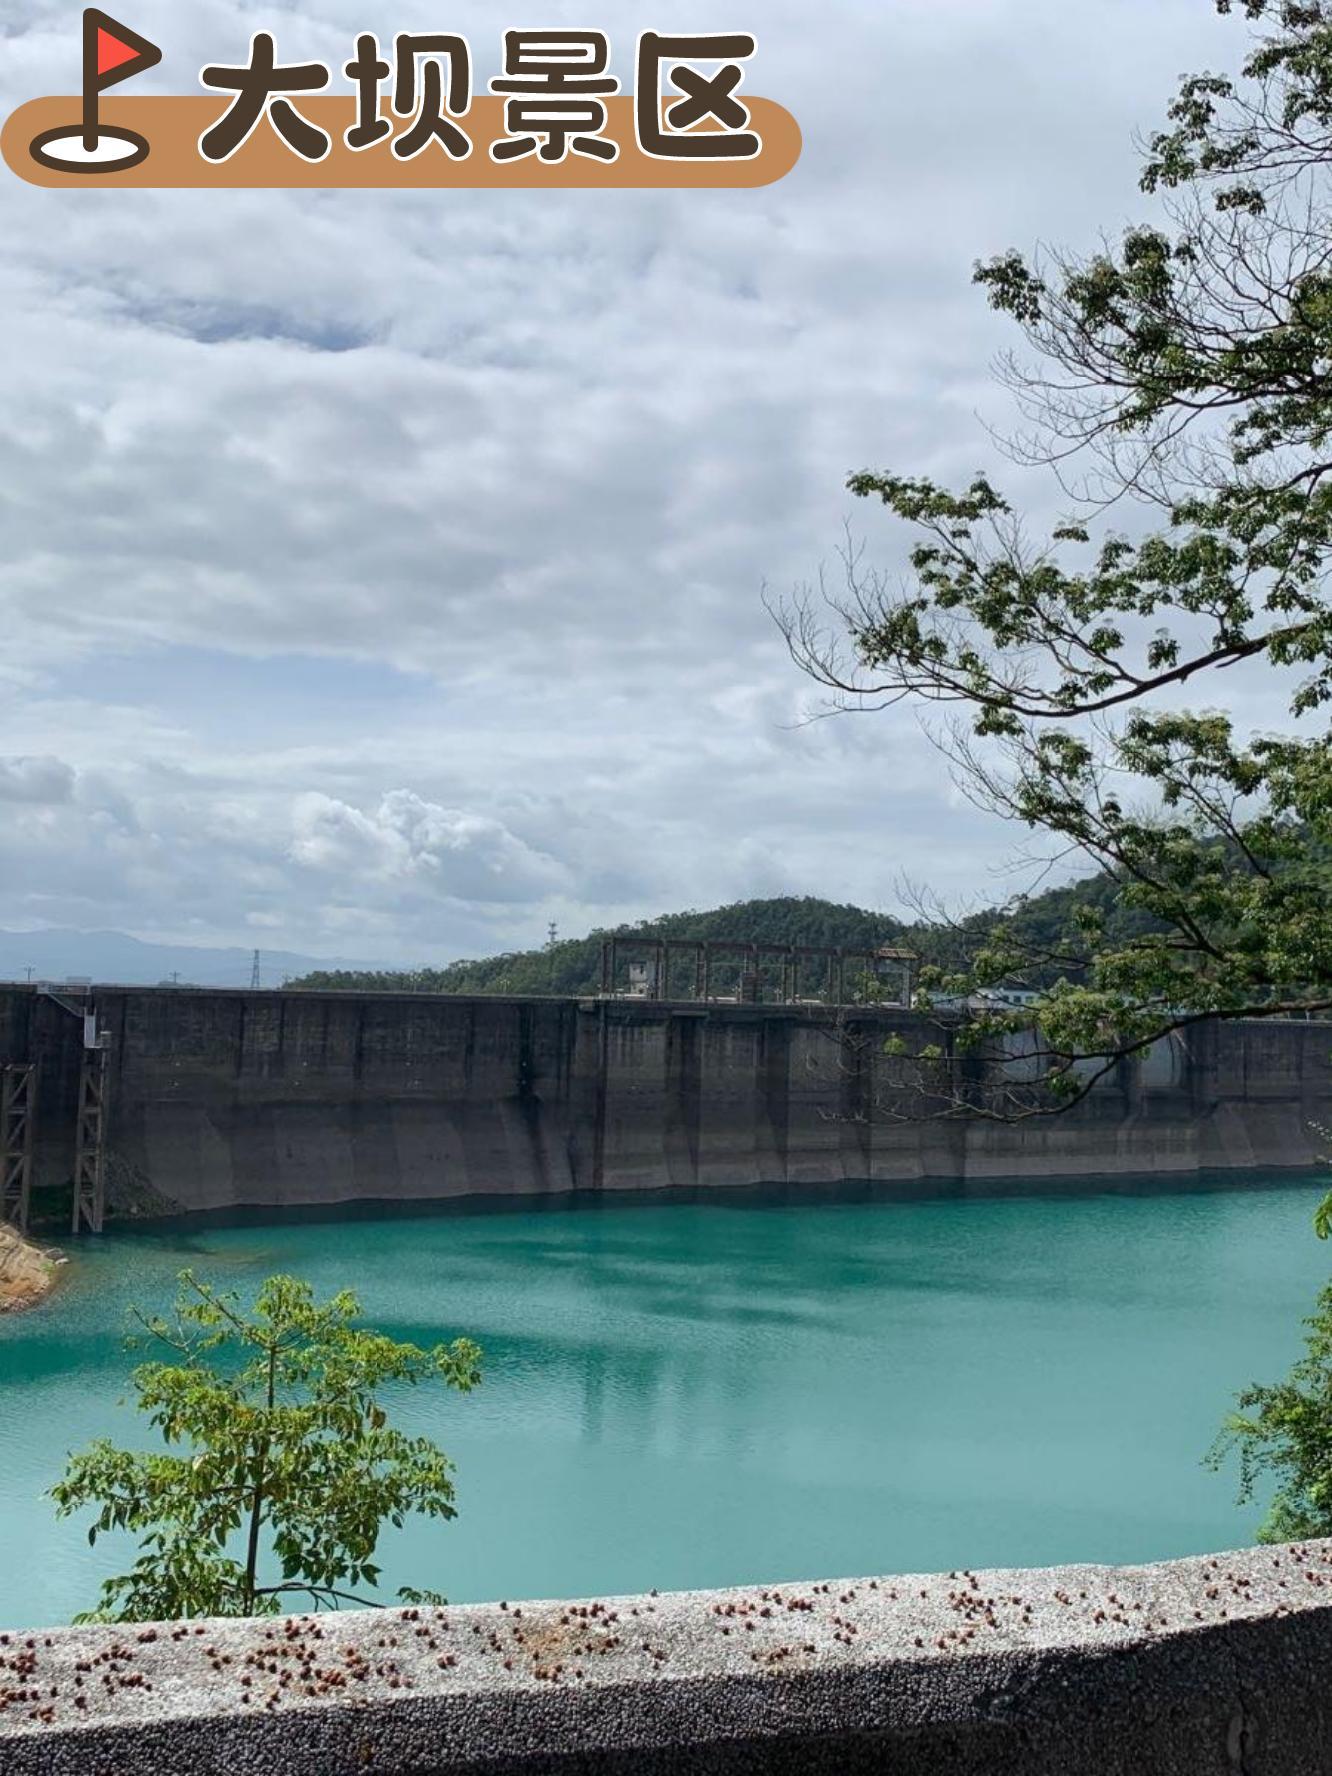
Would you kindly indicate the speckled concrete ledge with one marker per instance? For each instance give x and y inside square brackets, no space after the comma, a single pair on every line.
[1218,1665]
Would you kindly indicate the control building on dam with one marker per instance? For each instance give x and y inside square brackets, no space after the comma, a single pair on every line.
[173,1099]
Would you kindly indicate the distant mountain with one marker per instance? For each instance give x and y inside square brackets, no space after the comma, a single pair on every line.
[570,967]
[112,957]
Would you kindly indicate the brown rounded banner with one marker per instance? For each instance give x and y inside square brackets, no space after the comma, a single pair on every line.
[172,128]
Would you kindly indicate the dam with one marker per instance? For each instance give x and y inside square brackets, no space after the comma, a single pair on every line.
[208,1099]
[691,1397]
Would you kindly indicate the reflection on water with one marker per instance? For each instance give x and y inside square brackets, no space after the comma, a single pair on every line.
[700,1395]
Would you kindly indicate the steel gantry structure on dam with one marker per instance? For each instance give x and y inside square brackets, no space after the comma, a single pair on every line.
[738,972]
[18,1121]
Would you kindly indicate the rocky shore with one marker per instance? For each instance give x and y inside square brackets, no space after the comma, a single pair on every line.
[27,1274]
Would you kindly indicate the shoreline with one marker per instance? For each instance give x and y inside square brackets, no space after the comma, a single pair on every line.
[752,1198]
[27,1272]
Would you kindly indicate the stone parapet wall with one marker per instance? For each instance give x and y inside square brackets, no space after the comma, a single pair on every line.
[1203,1667]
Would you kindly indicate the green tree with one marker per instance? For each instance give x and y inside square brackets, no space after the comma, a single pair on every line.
[277,1449]
[1179,386]
[1286,1430]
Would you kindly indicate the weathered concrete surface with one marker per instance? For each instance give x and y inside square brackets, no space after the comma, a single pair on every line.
[267,1099]
[1207,1667]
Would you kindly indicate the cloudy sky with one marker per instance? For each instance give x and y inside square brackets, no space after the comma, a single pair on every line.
[382,572]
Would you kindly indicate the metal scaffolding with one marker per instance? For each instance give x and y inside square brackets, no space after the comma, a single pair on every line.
[89,1204]
[90,1145]
[764,973]
[18,1118]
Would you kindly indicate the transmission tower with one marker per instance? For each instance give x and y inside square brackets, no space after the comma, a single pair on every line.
[254,973]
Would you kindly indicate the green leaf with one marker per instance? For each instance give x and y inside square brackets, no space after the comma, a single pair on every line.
[281,1436]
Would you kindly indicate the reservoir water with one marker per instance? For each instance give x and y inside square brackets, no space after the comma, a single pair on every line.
[698,1396]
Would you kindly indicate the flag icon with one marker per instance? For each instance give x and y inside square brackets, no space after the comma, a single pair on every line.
[111,52]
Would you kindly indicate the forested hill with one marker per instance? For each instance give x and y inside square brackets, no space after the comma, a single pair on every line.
[574,966]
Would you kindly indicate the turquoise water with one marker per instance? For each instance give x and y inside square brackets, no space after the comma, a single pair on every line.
[695,1396]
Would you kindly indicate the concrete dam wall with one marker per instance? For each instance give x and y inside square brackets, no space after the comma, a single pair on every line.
[268,1098]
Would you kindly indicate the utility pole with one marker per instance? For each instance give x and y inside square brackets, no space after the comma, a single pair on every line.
[552,932]
[254,973]
[29,972]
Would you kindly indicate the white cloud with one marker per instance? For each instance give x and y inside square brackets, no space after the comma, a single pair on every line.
[386,567]
[41,780]
[441,851]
